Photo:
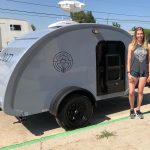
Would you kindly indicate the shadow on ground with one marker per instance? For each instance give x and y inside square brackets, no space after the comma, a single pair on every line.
[38,124]
[114,105]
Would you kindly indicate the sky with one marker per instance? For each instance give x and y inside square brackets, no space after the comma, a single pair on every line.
[41,13]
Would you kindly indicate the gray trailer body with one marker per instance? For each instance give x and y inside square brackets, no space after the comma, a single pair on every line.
[38,70]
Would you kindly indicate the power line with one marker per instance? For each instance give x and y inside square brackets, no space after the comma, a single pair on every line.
[146,21]
[9,11]
[6,12]
[31,3]
[109,13]
[29,12]
[38,14]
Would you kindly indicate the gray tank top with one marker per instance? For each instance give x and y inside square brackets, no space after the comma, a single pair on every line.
[139,59]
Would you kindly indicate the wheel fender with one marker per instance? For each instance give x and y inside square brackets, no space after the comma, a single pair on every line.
[59,97]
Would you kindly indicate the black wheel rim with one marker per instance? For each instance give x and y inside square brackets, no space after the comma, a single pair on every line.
[77,113]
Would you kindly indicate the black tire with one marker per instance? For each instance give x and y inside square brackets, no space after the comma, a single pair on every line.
[75,112]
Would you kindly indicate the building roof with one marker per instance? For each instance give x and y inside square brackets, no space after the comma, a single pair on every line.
[1,18]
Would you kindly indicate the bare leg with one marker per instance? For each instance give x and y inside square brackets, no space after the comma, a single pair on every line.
[132,84]
[142,82]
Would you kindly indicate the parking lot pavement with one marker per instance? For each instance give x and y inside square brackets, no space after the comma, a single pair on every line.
[43,125]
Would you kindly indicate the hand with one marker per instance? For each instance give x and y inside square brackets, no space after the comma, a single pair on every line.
[148,79]
[130,78]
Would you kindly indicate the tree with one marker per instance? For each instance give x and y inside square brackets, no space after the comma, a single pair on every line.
[115,24]
[133,29]
[147,34]
[90,18]
[83,17]
[147,31]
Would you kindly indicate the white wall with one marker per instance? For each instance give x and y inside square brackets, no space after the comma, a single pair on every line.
[0,39]
[7,35]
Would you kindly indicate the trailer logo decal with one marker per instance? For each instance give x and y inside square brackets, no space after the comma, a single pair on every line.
[63,61]
[6,57]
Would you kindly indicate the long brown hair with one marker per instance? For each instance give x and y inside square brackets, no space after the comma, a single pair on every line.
[134,40]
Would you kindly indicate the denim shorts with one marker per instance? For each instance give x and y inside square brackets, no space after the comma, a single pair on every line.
[139,74]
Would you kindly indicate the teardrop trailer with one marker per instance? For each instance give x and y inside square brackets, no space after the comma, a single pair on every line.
[64,71]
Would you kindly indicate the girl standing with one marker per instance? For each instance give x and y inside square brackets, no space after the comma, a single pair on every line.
[138,68]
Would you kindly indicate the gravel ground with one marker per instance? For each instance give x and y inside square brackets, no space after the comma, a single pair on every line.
[125,134]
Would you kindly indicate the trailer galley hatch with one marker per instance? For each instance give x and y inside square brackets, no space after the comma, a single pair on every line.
[110,61]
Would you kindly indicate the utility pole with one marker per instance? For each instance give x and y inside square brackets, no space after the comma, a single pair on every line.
[107,19]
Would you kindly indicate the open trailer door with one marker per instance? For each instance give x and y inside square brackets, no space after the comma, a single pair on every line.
[110,67]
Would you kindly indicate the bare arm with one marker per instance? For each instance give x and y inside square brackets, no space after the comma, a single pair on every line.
[131,80]
[149,62]
[129,58]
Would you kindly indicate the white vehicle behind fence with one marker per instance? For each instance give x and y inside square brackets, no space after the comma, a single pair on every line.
[13,28]
[64,71]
